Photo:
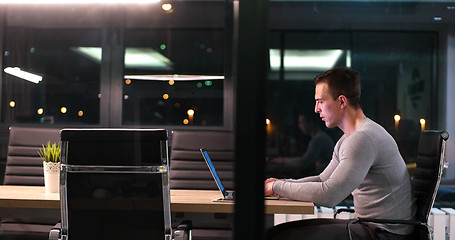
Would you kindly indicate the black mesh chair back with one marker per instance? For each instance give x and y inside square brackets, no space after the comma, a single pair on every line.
[114,184]
[25,167]
[430,163]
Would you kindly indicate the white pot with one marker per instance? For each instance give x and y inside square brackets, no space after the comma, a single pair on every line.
[51,177]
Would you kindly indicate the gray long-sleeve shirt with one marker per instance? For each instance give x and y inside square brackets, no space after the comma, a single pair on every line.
[367,164]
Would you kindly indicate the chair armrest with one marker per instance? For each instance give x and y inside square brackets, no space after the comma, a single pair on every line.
[183,230]
[390,221]
[340,210]
[54,234]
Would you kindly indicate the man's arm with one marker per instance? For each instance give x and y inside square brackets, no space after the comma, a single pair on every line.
[345,172]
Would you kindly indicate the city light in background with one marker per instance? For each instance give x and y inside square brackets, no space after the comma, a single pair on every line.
[422,124]
[397,119]
[40,111]
[269,128]
[167,7]
[190,113]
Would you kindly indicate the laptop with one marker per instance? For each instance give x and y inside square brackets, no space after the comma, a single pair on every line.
[227,195]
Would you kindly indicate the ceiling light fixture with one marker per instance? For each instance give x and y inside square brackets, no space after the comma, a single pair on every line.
[305,60]
[174,77]
[16,71]
[143,58]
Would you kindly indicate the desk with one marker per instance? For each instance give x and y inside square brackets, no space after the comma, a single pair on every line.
[26,201]
[201,201]
[22,200]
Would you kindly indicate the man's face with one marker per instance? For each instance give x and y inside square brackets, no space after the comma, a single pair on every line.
[329,109]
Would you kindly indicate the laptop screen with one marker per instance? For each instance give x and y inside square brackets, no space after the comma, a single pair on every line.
[212,169]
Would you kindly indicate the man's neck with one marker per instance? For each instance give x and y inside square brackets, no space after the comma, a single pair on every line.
[352,120]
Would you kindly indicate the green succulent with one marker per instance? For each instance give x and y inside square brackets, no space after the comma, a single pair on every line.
[50,152]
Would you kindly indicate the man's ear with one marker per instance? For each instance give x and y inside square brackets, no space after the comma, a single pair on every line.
[343,101]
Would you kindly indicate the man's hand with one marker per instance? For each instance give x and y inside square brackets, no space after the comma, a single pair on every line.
[268,187]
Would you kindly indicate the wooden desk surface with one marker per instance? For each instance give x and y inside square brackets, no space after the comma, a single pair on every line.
[27,197]
[201,201]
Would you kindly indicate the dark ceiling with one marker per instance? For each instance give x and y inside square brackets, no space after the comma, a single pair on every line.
[211,14]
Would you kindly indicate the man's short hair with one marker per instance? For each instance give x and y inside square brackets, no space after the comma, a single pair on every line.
[342,81]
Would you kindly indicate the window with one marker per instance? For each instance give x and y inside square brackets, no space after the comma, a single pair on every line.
[68,87]
[179,79]
[115,66]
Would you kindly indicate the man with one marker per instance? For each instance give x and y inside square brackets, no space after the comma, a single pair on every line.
[319,151]
[365,162]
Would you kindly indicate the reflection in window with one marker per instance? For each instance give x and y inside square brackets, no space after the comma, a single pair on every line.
[173,77]
[173,100]
[46,80]
[305,60]
[144,58]
[397,71]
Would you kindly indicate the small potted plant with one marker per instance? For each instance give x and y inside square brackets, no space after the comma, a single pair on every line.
[50,154]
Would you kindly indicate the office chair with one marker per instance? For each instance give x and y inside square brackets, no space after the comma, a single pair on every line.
[188,170]
[430,163]
[114,184]
[25,167]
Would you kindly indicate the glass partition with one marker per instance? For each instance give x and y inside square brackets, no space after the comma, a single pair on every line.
[395,46]
[173,65]
[403,51]
[397,70]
